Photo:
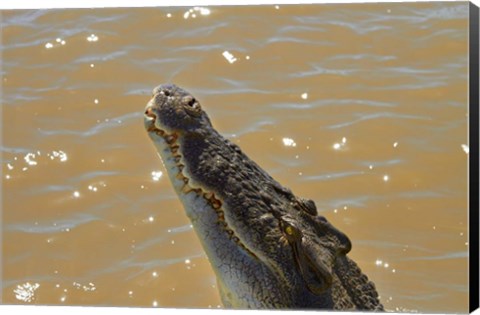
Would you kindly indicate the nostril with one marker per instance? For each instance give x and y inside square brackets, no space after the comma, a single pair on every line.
[166,93]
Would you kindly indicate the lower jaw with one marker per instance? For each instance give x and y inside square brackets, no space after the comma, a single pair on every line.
[196,200]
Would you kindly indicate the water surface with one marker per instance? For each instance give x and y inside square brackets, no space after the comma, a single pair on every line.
[361,107]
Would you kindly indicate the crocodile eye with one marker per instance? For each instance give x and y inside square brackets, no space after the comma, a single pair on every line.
[289,230]
[292,233]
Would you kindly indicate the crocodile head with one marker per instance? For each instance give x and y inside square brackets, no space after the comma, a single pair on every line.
[268,248]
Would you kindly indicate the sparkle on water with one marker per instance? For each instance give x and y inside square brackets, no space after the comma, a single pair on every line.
[288,142]
[29,159]
[465,148]
[193,12]
[88,287]
[156,175]
[230,58]
[58,41]
[304,96]
[92,188]
[340,145]
[26,292]
[92,38]
[62,156]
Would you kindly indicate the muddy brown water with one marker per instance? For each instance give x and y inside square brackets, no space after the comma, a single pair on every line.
[361,107]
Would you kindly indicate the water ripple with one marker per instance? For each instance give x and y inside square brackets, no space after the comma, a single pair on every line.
[381,163]
[14,150]
[296,40]
[104,57]
[330,176]
[47,227]
[117,122]
[363,57]
[454,255]
[366,117]
[334,102]
[26,18]
[190,32]
[423,15]
[361,28]
[320,70]
[92,175]
[251,128]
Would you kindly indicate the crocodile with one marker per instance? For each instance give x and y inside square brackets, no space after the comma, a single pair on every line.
[268,248]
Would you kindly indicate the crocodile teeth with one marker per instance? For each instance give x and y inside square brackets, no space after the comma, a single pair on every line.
[216,204]
[177,158]
[180,176]
[208,195]
[171,138]
[186,189]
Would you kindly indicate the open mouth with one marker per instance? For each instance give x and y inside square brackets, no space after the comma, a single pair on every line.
[171,139]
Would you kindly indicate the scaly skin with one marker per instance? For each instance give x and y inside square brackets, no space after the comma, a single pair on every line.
[267,247]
